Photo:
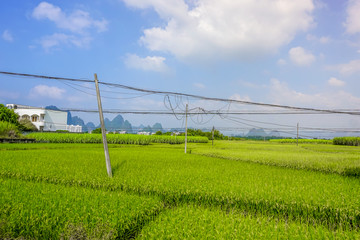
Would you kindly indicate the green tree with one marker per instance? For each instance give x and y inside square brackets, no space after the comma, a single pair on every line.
[8,115]
[97,130]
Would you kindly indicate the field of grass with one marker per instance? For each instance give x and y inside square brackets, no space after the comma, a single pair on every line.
[203,192]
[194,222]
[46,211]
[313,141]
[343,160]
[112,138]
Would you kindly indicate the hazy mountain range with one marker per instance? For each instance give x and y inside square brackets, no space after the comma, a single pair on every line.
[116,124]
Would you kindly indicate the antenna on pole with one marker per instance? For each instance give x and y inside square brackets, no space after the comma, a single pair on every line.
[103,130]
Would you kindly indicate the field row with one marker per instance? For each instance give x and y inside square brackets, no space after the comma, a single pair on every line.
[342,160]
[46,211]
[304,196]
[113,138]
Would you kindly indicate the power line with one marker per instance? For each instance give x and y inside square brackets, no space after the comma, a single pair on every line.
[181,94]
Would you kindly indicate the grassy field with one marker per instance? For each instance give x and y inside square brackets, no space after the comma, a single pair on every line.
[231,190]
[113,138]
[343,160]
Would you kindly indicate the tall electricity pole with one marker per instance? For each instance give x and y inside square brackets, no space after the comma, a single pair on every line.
[103,130]
[186,112]
[297,134]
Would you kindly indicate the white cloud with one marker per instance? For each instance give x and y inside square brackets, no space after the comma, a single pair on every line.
[240,98]
[209,30]
[336,82]
[280,93]
[199,85]
[352,23]
[44,91]
[322,39]
[281,62]
[347,68]
[77,22]
[154,63]
[7,36]
[57,39]
[301,57]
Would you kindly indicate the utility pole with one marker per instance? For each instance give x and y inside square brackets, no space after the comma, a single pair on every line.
[297,134]
[213,130]
[186,111]
[103,130]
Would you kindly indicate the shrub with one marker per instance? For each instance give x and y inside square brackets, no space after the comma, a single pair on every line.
[349,141]
[9,130]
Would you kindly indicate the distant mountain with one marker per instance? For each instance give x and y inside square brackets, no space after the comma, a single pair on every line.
[157,127]
[89,127]
[117,124]
[52,107]
[256,133]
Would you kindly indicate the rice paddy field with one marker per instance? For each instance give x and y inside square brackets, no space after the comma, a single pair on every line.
[231,190]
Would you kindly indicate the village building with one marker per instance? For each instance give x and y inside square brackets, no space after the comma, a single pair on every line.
[44,119]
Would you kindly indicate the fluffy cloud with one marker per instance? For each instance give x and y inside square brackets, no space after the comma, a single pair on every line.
[240,98]
[155,63]
[199,85]
[301,57]
[79,23]
[281,62]
[7,36]
[321,40]
[280,93]
[57,39]
[347,68]
[224,29]
[352,24]
[336,82]
[44,91]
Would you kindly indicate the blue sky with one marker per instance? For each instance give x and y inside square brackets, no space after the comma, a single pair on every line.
[299,53]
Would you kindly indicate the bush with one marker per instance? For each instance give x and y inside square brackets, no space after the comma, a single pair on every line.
[98,130]
[349,141]
[26,125]
[9,130]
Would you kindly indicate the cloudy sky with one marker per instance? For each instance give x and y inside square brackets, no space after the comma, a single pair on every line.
[300,53]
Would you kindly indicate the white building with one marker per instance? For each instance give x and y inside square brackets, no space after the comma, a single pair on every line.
[44,119]
[143,133]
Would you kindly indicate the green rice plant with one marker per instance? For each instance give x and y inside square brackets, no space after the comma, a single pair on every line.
[112,138]
[302,141]
[316,157]
[34,210]
[194,222]
[349,141]
[177,178]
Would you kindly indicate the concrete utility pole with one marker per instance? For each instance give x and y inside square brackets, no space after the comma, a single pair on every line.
[186,111]
[213,130]
[103,130]
[297,134]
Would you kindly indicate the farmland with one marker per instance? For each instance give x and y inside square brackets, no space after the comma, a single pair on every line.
[242,189]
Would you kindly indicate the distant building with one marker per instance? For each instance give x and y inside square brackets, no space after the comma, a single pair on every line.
[45,119]
[143,133]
